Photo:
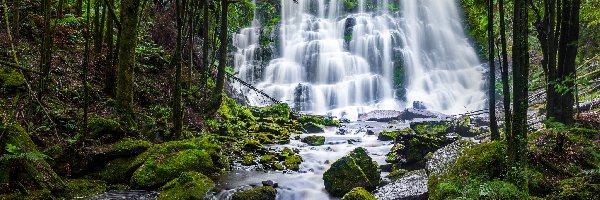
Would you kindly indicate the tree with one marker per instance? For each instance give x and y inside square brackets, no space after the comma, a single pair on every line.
[492,78]
[128,42]
[110,72]
[98,26]
[558,35]
[86,65]
[78,7]
[504,75]
[206,40]
[520,57]
[46,47]
[217,94]
[176,62]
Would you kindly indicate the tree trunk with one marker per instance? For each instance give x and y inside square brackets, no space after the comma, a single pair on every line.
[86,65]
[218,90]
[46,47]
[176,62]
[206,40]
[109,75]
[16,19]
[492,78]
[60,9]
[78,7]
[520,84]
[504,75]
[567,53]
[128,43]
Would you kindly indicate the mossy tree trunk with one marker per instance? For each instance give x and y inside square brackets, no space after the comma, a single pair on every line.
[176,62]
[217,95]
[16,18]
[206,40]
[128,42]
[109,72]
[520,57]
[46,47]
[492,78]
[567,53]
[504,75]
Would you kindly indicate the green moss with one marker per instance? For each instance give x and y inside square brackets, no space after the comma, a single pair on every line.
[358,193]
[160,168]
[189,185]
[102,127]
[130,146]
[314,140]
[248,160]
[396,174]
[10,78]
[580,187]
[280,110]
[267,158]
[293,162]
[388,135]
[83,188]
[356,169]
[116,171]
[259,193]
[253,145]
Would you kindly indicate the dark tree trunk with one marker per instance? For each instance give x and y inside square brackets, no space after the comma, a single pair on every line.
[492,79]
[504,75]
[46,47]
[16,19]
[567,53]
[110,72]
[86,65]
[128,42]
[206,41]
[176,62]
[520,57]
[78,7]
[60,9]
[218,90]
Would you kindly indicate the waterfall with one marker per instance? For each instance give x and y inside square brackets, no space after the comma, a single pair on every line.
[342,59]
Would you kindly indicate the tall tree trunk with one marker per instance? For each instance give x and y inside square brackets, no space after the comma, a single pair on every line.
[60,9]
[504,75]
[128,42]
[109,74]
[176,62]
[492,79]
[218,90]
[191,45]
[520,57]
[46,47]
[98,26]
[86,65]
[16,19]
[78,7]
[567,53]
[206,41]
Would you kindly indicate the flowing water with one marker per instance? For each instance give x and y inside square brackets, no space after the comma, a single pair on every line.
[330,60]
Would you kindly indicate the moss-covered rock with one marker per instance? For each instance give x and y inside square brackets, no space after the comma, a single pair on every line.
[75,188]
[159,169]
[293,162]
[10,78]
[189,185]
[358,194]
[129,147]
[411,149]
[356,169]
[105,129]
[116,171]
[311,127]
[314,140]
[586,186]
[388,135]
[259,193]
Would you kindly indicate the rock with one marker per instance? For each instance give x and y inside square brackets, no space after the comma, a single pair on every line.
[126,147]
[293,162]
[77,188]
[116,171]
[259,193]
[370,132]
[189,185]
[380,115]
[419,105]
[358,193]
[104,129]
[341,131]
[387,135]
[311,127]
[356,169]
[412,186]
[411,113]
[410,149]
[314,140]
[443,158]
[270,183]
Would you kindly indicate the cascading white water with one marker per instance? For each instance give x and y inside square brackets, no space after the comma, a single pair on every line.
[442,67]
[331,61]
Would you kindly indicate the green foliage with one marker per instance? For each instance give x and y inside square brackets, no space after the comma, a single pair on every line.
[78,188]
[240,15]
[16,153]
[11,78]
[69,20]
[478,189]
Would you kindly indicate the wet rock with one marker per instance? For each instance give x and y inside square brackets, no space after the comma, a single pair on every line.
[411,113]
[311,127]
[314,140]
[443,158]
[411,149]
[341,131]
[388,135]
[259,193]
[419,105]
[358,193]
[189,185]
[380,115]
[356,169]
[270,183]
[412,186]
[370,132]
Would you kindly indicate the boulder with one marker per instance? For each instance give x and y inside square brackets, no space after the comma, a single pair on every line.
[419,105]
[189,185]
[311,127]
[356,169]
[314,140]
[358,194]
[412,186]
[259,193]
[412,113]
[380,115]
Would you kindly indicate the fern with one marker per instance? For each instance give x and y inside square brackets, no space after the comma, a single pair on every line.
[16,153]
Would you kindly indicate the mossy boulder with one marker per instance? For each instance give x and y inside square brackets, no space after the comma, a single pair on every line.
[585,186]
[104,129]
[129,147]
[77,188]
[292,162]
[116,171]
[388,135]
[356,169]
[189,185]
[311,127]
[314,140]
[358,194]
[161,168]
[10,78]
[411,149]
[259,193]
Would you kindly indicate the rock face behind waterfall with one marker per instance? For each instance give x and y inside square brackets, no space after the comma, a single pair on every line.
[356,169]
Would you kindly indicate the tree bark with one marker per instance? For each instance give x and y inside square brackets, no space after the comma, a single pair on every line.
[218,90]
[492,79]
[128,43]
[176,62]
[504,75]
[206,41]
[46,47]
[109,75]
[86,65]
[78,7]
[567,53]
